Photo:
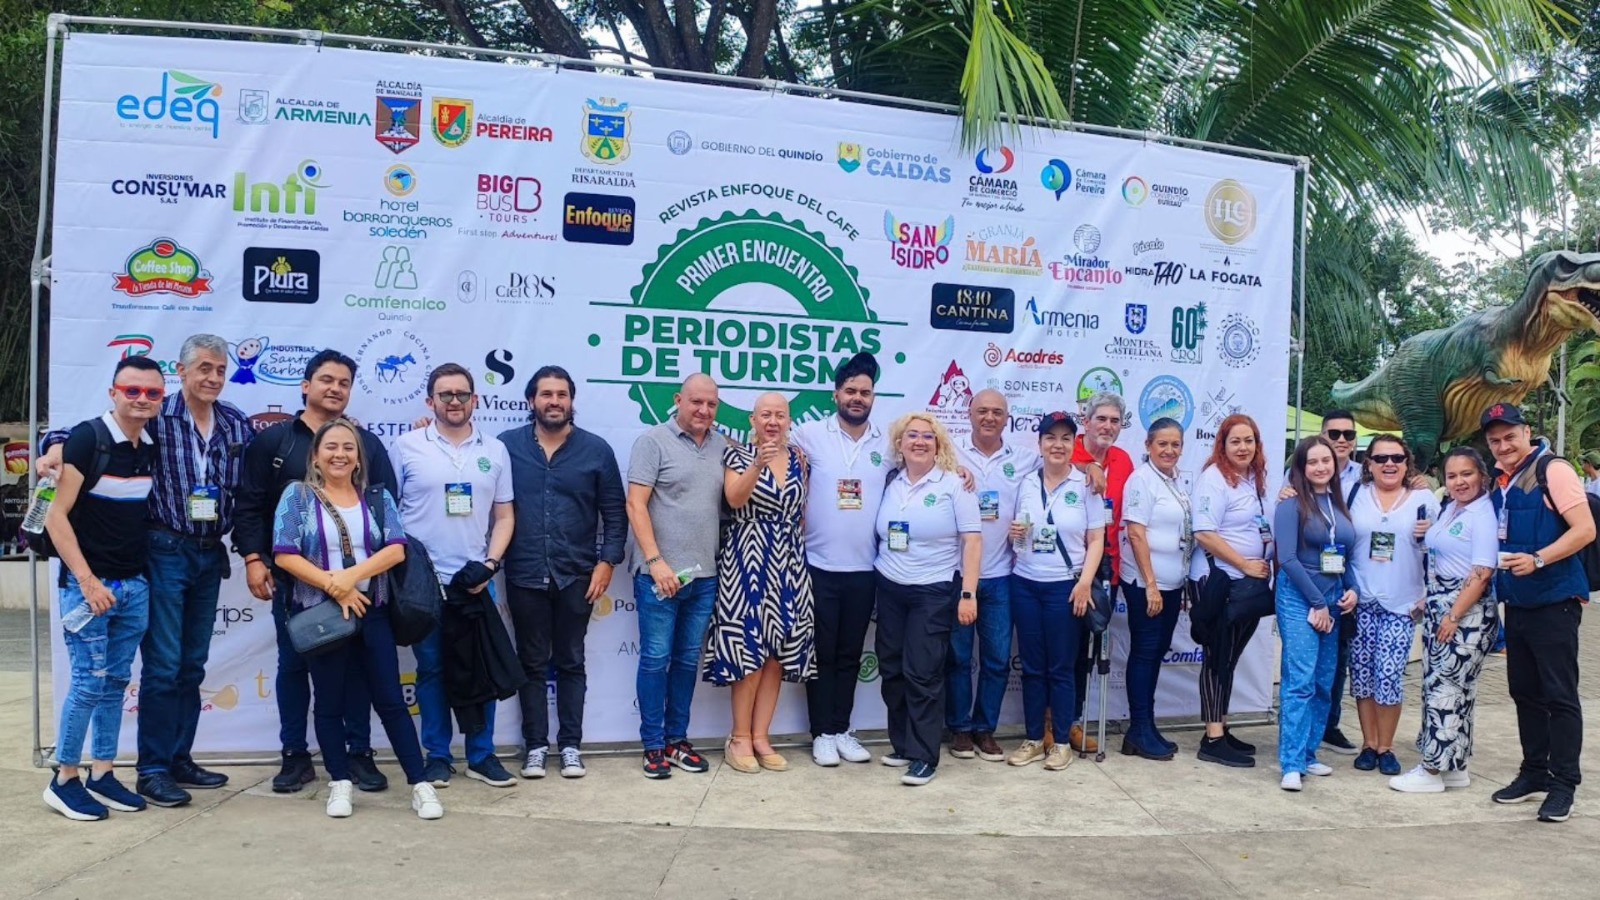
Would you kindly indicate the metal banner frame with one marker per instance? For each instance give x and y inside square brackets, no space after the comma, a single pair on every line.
[59,27]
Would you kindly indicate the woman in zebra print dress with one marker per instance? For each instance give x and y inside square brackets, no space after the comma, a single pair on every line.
[762,630]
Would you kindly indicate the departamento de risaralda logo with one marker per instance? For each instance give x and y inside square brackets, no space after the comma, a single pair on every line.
[674,332]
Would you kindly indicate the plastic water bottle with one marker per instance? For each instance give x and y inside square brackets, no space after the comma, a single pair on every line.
[687,575]
[43,496]
[1020,544]
[80,616]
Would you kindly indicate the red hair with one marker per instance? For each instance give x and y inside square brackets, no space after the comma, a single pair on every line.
[1219,453]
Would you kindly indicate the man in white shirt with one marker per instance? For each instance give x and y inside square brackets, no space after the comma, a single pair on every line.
[456,499]
[848,459]
[1591,472]
[998,468]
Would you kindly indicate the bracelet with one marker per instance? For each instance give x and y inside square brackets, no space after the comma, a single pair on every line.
[652,561]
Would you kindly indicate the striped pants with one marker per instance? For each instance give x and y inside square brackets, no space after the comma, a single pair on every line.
[1216,670]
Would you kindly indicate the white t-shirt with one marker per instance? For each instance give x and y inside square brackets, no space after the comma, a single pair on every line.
[1592,486]
[436,476]
[356,524]
[1397,583]
[1074,510]
[843,493]
[1158,503]
[932,514]
[1463,537]
[998,478]
[1236,514]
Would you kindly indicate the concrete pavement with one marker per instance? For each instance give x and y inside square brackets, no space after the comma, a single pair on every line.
[1123,828]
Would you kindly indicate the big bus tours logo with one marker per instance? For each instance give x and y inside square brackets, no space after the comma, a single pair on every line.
[673,332]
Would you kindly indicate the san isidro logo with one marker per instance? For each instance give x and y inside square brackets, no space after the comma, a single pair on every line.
[183,102]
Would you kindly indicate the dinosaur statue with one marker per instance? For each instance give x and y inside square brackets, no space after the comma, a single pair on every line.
[1438,383]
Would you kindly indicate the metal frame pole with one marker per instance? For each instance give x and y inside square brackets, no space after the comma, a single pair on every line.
[1303,173]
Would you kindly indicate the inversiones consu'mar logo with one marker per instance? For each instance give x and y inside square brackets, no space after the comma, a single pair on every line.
[723,297]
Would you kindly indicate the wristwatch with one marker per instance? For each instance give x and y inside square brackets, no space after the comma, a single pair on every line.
[493,564]
[1538,561]
[967,595]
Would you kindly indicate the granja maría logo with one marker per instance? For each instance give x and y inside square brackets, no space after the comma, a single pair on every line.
[672,333]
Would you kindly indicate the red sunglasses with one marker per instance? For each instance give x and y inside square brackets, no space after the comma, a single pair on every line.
[133,393]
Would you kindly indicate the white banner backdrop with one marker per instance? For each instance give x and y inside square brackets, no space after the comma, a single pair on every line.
[412,210]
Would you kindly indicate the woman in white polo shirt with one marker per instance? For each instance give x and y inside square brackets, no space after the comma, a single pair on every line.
[1459,624]
[1059,531]
[1158,552]
[1390,519]
[930,548]
[1230,524]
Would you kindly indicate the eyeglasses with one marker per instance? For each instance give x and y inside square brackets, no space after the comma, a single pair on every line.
[133,393]
[454,396]
[1386,458]
[1340,434]
[920,436]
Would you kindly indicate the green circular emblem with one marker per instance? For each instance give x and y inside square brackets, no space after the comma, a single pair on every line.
[1010,470]
[869,667]
[679,329]
[483,464]
[1072,498]
[877,458]
[1455,530]
[1097,380]
[930,500]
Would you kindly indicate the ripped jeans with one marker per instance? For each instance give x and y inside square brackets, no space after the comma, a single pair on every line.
[102,660]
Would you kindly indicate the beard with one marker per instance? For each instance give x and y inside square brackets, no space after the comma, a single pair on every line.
[544,418]
[853,420]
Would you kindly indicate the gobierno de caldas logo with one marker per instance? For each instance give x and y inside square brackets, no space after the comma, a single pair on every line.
[687,321]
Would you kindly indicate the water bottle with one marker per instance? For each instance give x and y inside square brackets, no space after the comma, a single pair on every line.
[43,496]
[1020,544]
[691,573]
[77,618]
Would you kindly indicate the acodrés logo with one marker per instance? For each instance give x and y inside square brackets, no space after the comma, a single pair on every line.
[183,103]
[914,246]
[994,356]
[163,267]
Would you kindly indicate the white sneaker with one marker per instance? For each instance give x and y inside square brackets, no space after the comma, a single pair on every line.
[824,750]
[1418,781]
[850,749]
[572,763]
[425,800]
[1290,782]
[533,765]
[339,799]
[1458,779]
[1322,770]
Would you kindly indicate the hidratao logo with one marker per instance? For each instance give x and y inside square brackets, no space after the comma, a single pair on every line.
[1166,397]
[915,246]
[183,103]
[1230,211]
[392,365]
[952,397]
[452,121]
[259,360]
[1002,249]
[989,189]
[290,206]
[169,188]
[685,320]
[890,163]
[1189,334]
[397,118]
[163,267]
[1062,323]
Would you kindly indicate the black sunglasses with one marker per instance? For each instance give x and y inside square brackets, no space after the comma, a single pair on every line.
[1386,458]
[1340,434]
[454,396]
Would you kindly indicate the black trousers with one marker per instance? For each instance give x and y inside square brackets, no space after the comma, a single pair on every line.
[914,624]
[1542,672]
[551,624]
[842,608]
[1221,660]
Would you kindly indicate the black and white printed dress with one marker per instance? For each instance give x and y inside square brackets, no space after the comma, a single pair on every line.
[764,604]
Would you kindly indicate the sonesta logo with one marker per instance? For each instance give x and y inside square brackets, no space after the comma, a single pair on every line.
[184,103]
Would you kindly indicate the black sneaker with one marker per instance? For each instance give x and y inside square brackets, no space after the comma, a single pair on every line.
[437,772]
[491,772]
[1217,750]
[1521,789]
[190,775]
[1366,760]
[918,773]
[1335,740]
[364,772]
[684,756]
[297,772]
[1388,763]
[1245,747]
[160,789]
[1557,805]
[655,764]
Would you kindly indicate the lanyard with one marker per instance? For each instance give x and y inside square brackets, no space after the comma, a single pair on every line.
[202,461]
[1327,516]
[1049,517]
[851,450]
[905,496]
[1186,540]
[456,455]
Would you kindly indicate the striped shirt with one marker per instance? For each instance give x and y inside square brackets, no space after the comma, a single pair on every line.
[186,460]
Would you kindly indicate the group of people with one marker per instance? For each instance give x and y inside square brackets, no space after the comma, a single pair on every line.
[764,561]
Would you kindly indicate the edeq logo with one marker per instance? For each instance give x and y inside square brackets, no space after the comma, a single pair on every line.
[281,275]
[914,246]
[184,103]
[966,307]
[598,219]
[1166,397]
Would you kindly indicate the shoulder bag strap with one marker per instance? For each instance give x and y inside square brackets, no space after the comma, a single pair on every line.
[345,547]
[1050,519]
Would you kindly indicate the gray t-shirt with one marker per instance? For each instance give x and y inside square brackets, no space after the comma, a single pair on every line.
[686,496]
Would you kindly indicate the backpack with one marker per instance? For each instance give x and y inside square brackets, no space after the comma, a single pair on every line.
[415,594]
[40,543]
[1589,555]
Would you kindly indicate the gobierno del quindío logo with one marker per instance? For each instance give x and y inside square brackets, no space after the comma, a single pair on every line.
[750,343]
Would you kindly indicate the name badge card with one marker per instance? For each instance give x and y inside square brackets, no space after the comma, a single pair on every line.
[203,502]
[1044,539]
[849,491]
[1333,559]
[900,536]
[1382,548]
[458,499]
[989,505]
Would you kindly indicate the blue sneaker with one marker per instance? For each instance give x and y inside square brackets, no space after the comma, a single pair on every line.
[437,772]
[108,790]
[918,773]
[72,801]
[1367,760]
[1388,763]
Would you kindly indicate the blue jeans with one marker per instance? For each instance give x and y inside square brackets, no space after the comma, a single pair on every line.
[672,633]
[293,688]
[1149,639]
[365,666]
[1306,687]
[993,630]
[102,661]
[1047,642]
[184,582]
[435,709]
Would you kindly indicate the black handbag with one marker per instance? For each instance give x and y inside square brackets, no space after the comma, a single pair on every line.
[1250,598]
[324,627]
[1098,615]
[416,598]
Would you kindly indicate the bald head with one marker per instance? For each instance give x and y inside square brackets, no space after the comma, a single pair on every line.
[988,414]
[769,419]
[697,404]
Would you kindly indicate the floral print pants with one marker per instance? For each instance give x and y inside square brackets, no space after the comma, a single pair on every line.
[1450,675]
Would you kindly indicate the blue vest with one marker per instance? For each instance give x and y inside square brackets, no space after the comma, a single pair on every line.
[1530,527]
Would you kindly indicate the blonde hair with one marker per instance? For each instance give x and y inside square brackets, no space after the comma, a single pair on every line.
[314,473]
[944,456]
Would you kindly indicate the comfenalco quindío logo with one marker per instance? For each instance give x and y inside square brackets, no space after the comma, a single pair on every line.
[686,320]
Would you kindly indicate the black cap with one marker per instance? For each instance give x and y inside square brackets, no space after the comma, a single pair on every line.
[1502,412]
[1051,420]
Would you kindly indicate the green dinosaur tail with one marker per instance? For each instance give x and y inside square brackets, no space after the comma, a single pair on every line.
[1367,399]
